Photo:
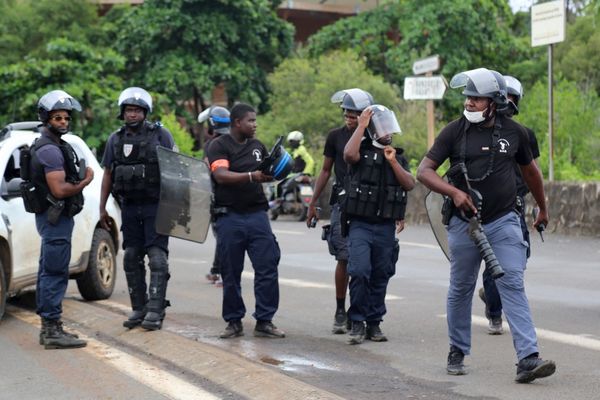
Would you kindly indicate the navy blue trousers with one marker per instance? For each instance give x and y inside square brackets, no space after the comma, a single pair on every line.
[237,234]
[138,227]
[372,260]
[53,272]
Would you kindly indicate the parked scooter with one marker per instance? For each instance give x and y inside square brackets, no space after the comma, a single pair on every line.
[291,196]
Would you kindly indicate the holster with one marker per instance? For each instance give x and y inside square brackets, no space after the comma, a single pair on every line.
[55,210]
[520,205]
[325,232]
[216,212]
[447,210]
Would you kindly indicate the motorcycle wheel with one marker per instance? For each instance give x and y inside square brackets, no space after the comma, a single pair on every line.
[302,215]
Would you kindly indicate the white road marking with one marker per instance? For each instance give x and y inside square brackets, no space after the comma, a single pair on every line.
[187,261]
[151,376]
[298,283]
[564,338]
[425,245]
[113,304]
[288,232]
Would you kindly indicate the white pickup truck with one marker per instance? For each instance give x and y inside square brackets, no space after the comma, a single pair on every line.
[94,249]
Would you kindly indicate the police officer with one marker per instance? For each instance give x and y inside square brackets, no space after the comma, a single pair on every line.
[57,197]
[352,102]
[131,173]
[489,293]
[218,124]
[375,199]
[243,225]
[486,145]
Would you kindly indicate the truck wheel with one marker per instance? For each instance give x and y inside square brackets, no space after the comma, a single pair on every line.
[3,290]
[97,282]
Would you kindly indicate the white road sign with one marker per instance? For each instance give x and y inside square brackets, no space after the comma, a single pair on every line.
[548,23]
[424,87]
[425,65]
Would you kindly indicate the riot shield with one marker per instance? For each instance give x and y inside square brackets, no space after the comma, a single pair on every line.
[433,205]
[185,196]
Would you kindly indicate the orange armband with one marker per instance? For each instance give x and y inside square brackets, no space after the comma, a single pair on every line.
[222,163]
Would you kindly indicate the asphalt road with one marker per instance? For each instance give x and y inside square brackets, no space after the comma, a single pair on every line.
[187,360]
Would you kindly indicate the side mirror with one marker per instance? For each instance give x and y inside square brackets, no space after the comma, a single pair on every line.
[13,188]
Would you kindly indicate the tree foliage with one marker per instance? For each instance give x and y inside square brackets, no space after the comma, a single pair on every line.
[391,37]
[26,26]
[576,129]
[184,48]
[301,93]
[578,57]
[88,74]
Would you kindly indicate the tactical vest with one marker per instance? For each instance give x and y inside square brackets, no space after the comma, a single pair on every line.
[34,187]
[372,190]
[135,173]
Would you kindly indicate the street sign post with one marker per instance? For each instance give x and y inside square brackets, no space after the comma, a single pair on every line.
[548,22]
[425,65]
[426,88]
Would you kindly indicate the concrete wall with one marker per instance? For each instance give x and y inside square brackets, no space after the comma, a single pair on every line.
[574,208]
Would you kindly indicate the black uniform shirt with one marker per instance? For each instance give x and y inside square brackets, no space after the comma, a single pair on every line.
[246,197]
[334,148]
[522,188]
[499,189]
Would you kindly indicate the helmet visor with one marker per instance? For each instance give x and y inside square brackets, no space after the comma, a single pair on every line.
[483,80]
[137,97]
[203,116]
[513,86]
[59,100]
[360,98]
[383,122]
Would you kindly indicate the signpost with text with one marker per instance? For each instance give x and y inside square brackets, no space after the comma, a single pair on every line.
[548,22]
[427,88]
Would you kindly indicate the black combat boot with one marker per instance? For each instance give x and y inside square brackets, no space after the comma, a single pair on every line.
[135,274]
[159,275]
[60,325]
[54,337]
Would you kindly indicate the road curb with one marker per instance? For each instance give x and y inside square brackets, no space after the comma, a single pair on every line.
[233,372]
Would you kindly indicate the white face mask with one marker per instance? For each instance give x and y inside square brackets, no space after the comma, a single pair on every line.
[474,117]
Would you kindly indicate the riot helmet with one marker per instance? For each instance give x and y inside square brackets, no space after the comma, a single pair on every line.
[353,99]
[278,163]
[134,96]
[56,100]
[513,87]
[218,119]
[282,164]
[383,123]
[295,139]
[482,82]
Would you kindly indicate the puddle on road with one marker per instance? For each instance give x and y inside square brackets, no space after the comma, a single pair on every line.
[249,349]
[297,364]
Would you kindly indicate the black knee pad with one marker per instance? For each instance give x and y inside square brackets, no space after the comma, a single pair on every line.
[157,259]
[132,258]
